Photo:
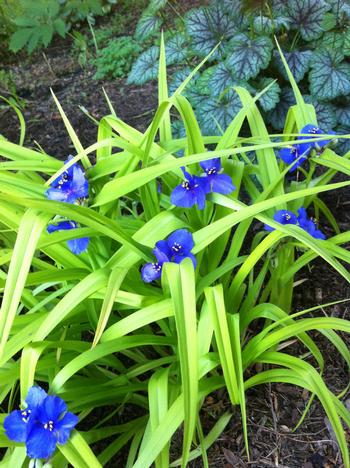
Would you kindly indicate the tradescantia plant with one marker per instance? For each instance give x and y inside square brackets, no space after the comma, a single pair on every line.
[314,36]
[156,308]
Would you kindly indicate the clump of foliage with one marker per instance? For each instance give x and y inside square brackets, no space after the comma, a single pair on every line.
[37,21]
[115,60]
[314,36]
[117,290]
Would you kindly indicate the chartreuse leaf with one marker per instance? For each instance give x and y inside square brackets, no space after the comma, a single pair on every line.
[181,283]
[145,67]
[306,16]
[78,452]
[329,75]
[30,229]
[249,56]
[165,126]
[73,136]
[158,407]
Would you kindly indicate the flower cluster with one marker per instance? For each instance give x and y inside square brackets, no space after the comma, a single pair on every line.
[288,217]
[193,189]
[44,423]
[70,187]
[299,152]
[175,248]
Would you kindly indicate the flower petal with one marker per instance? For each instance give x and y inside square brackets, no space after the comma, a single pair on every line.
[162,251]
[182,197]
[221,183]
[62,226]
[15,427]
[180,258]
[40,443]
[180,239]
[151,272]
[51,409]
[64,427]
[57,194]
[285,217]
[78,246]
[214,163]
[200,196]
[35,397]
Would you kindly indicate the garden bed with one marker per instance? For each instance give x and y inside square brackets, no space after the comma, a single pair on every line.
[274,410]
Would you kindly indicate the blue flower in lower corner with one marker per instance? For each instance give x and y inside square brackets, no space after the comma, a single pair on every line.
[313,130]
[53,425]
[298,153]
[309,225]
[215,182]
[69,186]
[283,217]
[175,249]
[18,423]
[76,246]
[44,423]
[190,192]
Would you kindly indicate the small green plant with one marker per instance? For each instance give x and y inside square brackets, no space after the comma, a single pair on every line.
[115,60]
[37,21]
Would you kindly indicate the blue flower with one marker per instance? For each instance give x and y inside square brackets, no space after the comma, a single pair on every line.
[42,424]
[312,130]
[298,153]
[69,186]
[18,423]
[215,182]
[309,225]
[175,249]
[190,192]
[282,217]
[77,246]
[53,424]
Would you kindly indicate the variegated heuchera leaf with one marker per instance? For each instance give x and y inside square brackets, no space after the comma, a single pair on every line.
[329,76]
[343,113]
[222,78]
[215,114]
[270,99]
[176,49]
[148,24]
[278,115]
[249,56]
[298,62]
[207,27]
[179,77]
[156,5]
[145,68]
[306,16]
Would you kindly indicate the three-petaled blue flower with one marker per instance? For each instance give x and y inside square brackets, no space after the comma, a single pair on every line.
[309,225]
[69,186]
[190,192]
[288,217]
[215,182]
[298,153]
[43,424]
[175,249]
[77,246]
[283,217]
[312,130]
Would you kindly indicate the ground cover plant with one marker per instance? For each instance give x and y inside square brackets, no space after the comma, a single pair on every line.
[314,36]
[126,281]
